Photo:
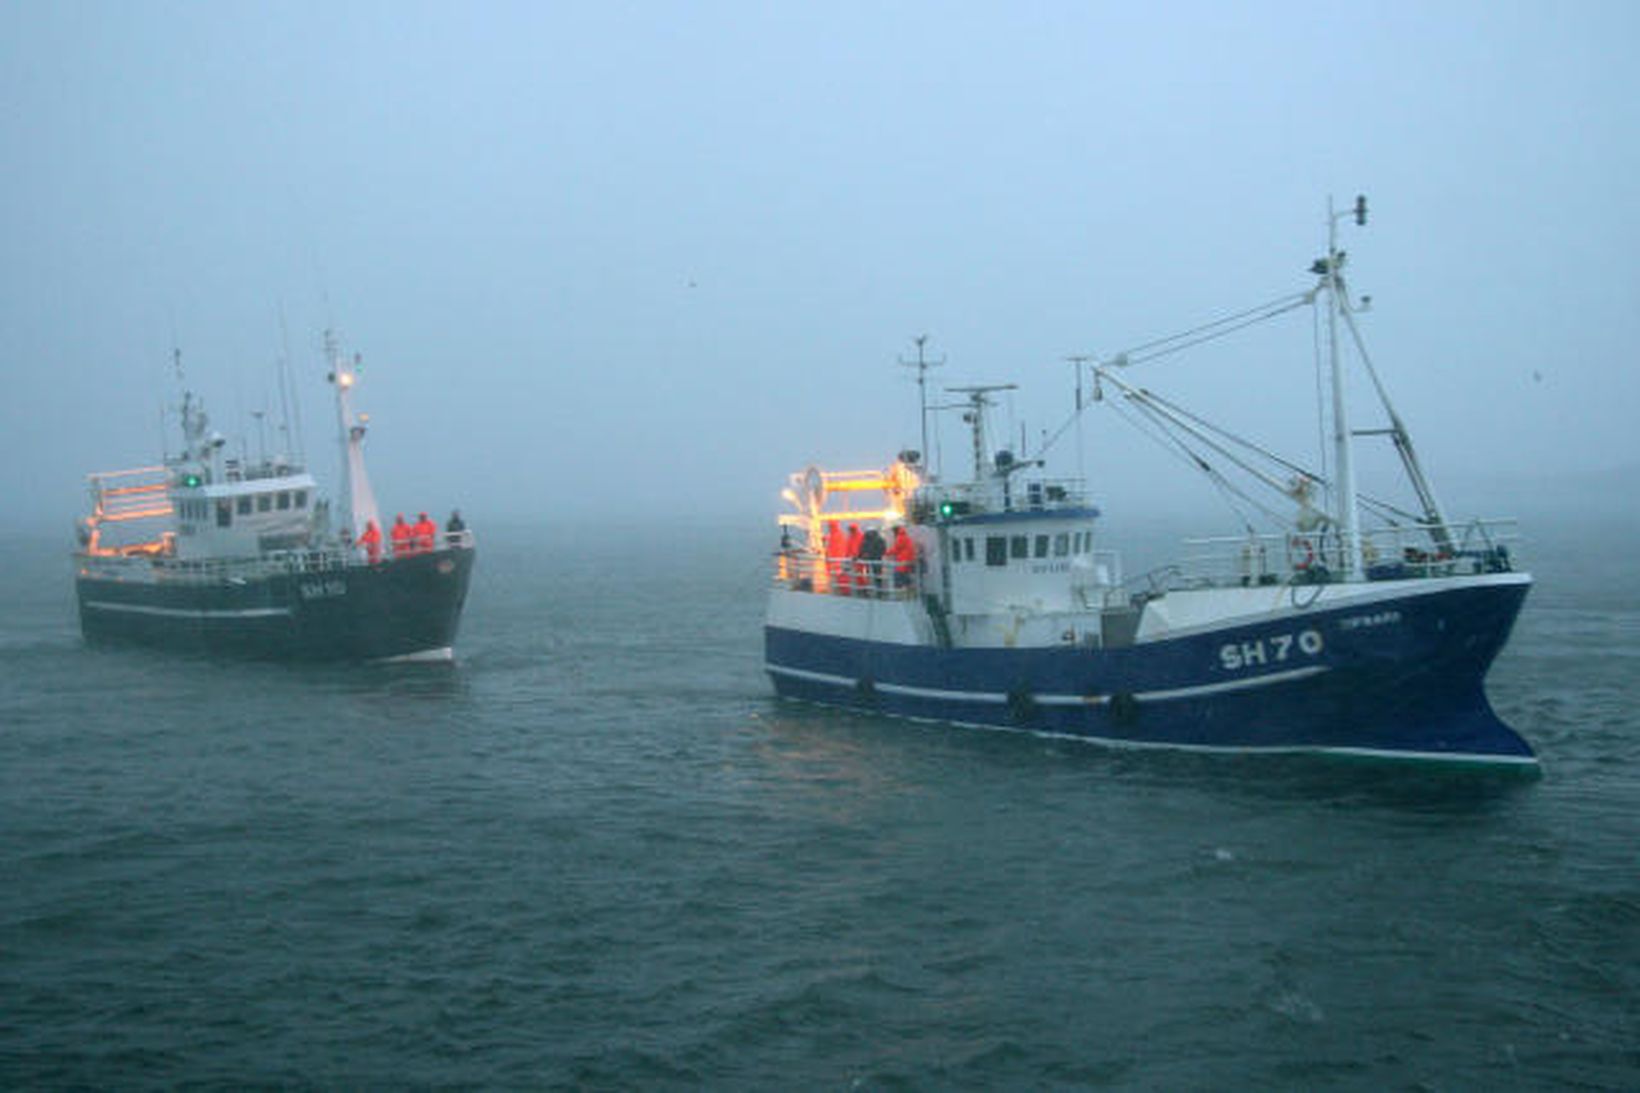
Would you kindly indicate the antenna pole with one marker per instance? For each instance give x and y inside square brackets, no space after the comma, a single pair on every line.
[1077,363]
[922,364]
[261,435]
[295,413]
[176,368]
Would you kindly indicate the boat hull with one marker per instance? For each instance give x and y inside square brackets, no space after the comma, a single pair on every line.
[407,608]
[1396,672]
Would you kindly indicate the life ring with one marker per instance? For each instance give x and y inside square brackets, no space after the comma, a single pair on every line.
[1300,552]
[814,489]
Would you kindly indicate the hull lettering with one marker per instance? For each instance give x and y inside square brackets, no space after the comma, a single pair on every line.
[1236,656]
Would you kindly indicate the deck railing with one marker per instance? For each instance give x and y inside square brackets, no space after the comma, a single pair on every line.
[1397,553]
[807,571]
[1001,495]
[255,567]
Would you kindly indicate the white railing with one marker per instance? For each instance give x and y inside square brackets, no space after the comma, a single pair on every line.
[152,567]
[997,495]
[1395,553]
[218,570]
[806,571]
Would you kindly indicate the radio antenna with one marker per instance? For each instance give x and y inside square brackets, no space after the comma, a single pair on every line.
[922,364]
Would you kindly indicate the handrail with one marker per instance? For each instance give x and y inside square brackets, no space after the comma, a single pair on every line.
[251,567]
[1320,557]
[808,571]
[999,495]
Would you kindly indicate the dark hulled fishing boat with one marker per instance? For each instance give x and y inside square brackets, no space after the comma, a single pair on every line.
[216,554]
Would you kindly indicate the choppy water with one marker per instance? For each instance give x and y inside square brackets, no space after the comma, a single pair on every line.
[597,852]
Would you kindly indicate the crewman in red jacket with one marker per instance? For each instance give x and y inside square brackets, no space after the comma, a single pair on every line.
[837,558]
[403,538]
[425,532]
[903,553]
[371,540]
[853,569]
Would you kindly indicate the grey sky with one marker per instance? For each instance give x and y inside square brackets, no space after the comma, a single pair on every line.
[648,258]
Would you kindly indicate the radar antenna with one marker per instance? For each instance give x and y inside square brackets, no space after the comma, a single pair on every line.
[974,416]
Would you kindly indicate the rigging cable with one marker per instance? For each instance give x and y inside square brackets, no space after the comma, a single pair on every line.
[1186,339]
[1207,332]
[1163,421]
[1213,435]
[1169,437]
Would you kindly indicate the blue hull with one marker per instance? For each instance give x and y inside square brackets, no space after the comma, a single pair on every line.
[1404,678]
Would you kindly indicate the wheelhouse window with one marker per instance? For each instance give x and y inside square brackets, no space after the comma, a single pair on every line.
[996,550]
[224,514]
[264,502]
[284,500]
[301,498]
[1042,546]
[1021,546]
[1062,544]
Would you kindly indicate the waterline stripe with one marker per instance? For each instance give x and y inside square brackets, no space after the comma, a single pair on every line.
[421,656]
[1236,684]
[1201,690]
[187,612]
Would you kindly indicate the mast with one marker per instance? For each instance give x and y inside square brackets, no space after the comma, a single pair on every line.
[358,501]
[975,417]
[1347,510]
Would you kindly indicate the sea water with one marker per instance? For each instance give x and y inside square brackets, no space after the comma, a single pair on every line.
[596,852]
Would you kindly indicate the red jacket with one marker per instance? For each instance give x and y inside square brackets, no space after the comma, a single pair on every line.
[425,531]
[903,551]
[371,540]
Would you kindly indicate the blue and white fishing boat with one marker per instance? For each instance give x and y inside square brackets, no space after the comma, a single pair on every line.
[1348,625]
[214,553]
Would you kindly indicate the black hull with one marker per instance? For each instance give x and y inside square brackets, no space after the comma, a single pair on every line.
[407,607]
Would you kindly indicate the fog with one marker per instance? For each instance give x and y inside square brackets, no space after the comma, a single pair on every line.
[633,262]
